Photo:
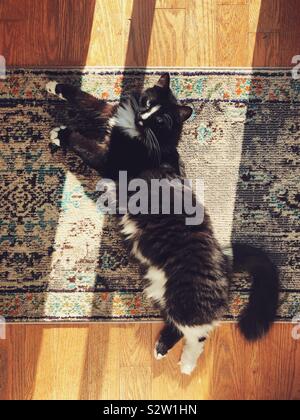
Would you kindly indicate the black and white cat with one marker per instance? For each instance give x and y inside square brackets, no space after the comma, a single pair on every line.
[188,274]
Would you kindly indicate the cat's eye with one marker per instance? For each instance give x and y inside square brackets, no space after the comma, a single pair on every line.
[160,120]
[145,102]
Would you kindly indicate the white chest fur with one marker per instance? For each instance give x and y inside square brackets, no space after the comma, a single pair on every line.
[156,277]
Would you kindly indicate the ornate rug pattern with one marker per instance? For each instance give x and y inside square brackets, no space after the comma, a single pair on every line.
[62,260]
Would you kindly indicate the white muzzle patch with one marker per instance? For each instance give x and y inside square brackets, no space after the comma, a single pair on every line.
[146,115]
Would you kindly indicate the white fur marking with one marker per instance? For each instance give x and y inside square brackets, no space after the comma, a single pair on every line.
[125,119]
[193,348]
[129,227]
[138,255]
[157,355]
[228,252]
[152,111]
[156,289]
[54,135]
[51,88]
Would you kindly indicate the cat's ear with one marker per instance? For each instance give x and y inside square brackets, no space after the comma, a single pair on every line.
[164,81]
[185,112]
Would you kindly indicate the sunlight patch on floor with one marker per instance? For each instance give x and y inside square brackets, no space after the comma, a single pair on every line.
[76,250]
[61,369]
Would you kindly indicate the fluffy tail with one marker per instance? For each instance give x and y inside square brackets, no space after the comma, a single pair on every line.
[260,313]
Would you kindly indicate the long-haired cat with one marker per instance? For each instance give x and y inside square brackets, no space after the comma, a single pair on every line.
[188,274]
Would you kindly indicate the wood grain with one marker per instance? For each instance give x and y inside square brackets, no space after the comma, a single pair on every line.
[265,49]
[166,46]
[129,32]
[116,361]
[95,362]
[232,34]
[200,34]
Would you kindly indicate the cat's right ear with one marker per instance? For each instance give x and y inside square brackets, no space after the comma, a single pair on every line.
[185,112]
[164,81]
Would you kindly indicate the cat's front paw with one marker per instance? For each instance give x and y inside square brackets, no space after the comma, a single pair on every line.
[57,136]
[51,87]
[55,88]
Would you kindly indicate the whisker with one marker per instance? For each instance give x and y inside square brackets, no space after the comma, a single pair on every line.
[169,121]
[135,104]
[153,145]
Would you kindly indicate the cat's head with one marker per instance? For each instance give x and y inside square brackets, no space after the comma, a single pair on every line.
[154,117]
[159,112]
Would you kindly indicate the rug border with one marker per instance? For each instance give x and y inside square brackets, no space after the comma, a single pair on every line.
[150,68]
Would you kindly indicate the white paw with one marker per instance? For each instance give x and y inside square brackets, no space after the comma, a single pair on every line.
[187,368]
[158,356]
[51,87]
[54,135]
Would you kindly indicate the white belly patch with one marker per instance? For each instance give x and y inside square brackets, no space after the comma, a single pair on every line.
[157,288]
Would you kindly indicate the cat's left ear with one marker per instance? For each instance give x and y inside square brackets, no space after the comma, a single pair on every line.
[185,112]
[164,81]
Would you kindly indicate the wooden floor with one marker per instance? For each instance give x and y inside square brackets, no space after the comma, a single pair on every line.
[112,362]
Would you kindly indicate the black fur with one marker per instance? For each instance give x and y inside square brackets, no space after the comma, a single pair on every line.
[116,151]
[261,311]
[196,268]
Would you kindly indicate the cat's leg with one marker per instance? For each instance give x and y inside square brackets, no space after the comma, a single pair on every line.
[91,151]
[195,338]
[79,99]
[169,336]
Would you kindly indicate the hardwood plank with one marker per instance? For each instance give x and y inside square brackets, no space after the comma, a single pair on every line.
[12,10]
[101,372]
[266,15]
[264,49]
[135,345]
[200,33]
[172,4]
[58,376]
[74,30]
[232,2]
[20,352]
[232,35]
[110,33]
[135,384]
[289,46]
[141,27]
[289,16]
[167,46]
[46,35]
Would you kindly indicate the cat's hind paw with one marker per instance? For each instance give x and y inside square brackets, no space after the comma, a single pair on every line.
[187,368]
[159,351]
[55,135]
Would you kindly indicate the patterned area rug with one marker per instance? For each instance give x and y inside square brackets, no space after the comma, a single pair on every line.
[61,260]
